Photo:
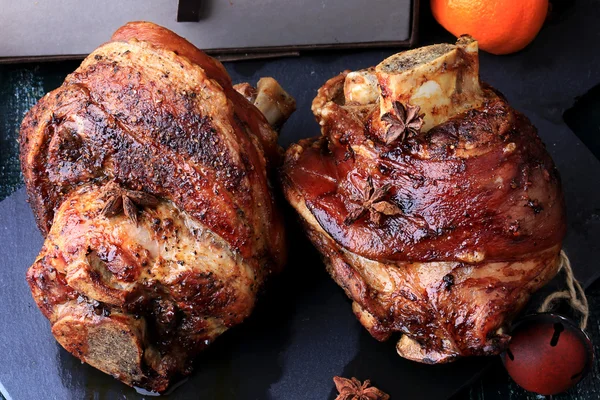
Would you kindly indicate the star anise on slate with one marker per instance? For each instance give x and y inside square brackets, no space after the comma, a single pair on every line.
[404,122]
[352,389]
[370,199]
[120,200]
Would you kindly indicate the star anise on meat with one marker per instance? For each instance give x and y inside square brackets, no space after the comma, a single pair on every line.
[368,198]
[404,122]
[352,389]
[120,200]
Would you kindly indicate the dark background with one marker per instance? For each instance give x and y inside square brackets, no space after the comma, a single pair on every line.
[546,78]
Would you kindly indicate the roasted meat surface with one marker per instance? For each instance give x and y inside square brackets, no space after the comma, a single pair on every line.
[434,203]
[148,174]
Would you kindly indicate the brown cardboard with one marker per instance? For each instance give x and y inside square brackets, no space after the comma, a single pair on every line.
[36,30]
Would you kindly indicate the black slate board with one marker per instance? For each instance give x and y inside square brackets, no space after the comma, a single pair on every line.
[303,331]
[301,335]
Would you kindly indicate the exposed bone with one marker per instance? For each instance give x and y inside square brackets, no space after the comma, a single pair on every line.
[360,87]
[442,79]
[412,350]
[89,275]
[113,344]
[270,98]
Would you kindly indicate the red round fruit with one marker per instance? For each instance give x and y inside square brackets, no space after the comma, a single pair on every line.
[547,354]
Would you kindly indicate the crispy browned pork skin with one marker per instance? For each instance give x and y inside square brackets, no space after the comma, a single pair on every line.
[148,174]
[434,203]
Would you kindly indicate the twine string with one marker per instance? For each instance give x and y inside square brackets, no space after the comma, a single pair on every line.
[573,293]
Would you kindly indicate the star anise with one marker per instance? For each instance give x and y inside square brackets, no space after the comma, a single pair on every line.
[120,200]
[404,122]
[352,389]
[370,199]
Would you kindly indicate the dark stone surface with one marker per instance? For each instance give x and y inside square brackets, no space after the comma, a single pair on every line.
[303,332]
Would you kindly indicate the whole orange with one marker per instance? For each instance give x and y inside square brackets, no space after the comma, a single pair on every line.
[500,26]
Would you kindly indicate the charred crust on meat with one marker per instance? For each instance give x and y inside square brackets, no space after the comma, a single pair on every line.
[481,206]
[170,132]
[448,281]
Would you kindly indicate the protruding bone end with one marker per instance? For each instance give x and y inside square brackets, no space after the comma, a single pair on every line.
[270,98]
